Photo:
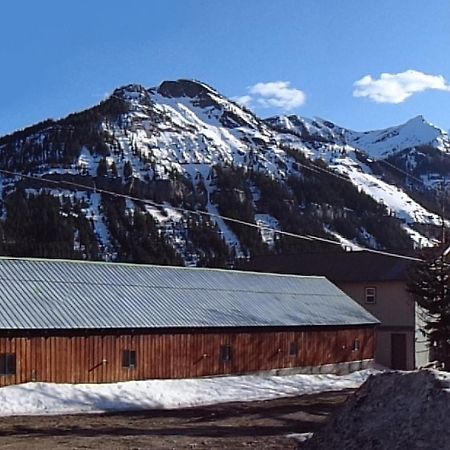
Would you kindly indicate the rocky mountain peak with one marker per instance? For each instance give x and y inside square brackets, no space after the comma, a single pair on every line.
[182,143]
[184,88]
[132,92]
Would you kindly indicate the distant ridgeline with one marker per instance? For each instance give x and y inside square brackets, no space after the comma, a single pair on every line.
[187,148]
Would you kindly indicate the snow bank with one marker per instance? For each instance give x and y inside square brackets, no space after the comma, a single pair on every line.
[49,398]
[396,410]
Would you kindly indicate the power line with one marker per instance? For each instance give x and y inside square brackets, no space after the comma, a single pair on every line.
[314,168]
[205,213]
[319,170]
[404,172]
[381,161]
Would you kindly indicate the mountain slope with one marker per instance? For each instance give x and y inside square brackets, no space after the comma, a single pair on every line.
[416,132]
[184,145]
[403,167]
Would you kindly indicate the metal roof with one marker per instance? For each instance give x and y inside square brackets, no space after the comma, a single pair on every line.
[57,294]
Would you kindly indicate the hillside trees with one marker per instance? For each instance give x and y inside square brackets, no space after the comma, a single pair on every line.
[208,243]
[344,208]
[127,170]
[281,202]
[136,236]
[102,168]
[34,226]
[234,200]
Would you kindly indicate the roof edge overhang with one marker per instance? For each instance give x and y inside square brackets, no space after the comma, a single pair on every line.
[16,332]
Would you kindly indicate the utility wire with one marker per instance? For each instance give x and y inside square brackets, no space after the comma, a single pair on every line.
[313,168]
[306,237]
[319,170]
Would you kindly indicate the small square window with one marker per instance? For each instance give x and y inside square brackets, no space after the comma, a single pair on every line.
[225,353]
[356,345]
[293,349]
[129,359]
[371,295]
[7,364]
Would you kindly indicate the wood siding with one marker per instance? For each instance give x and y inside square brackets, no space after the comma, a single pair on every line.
[97,358]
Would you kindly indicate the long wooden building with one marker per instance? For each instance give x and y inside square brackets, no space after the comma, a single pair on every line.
[91,322]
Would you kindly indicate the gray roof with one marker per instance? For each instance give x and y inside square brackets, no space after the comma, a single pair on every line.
[56,294]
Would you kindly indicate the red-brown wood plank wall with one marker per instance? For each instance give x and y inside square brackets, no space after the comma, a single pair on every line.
[98,358]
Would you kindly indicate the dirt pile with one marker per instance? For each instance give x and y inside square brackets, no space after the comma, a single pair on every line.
[395,410]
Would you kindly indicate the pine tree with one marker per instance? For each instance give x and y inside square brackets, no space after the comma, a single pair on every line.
[102,168]
[429,288]
[127,170]
[113,169]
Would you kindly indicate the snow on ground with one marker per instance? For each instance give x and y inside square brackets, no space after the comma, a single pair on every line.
[228,235]
[164,214]
[206,140]
[300,437]
[346,243]
[392,410]
[393,197]
[269,223]
[94,213]
[197,172]
[344,160]
[87,162]
[49,398]
[419,239]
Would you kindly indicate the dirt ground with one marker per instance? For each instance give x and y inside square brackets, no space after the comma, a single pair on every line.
[255,425]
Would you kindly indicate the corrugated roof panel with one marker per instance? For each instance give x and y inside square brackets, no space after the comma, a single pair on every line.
[51,294]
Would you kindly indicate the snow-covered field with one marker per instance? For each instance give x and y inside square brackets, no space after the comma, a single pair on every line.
[49,398]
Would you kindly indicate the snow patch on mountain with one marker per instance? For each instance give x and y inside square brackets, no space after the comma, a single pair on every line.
[419,239]
[398,202]
[377,144]
[268,224]
[181,129]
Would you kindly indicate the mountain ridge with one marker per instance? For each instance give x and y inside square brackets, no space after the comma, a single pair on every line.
[181,143]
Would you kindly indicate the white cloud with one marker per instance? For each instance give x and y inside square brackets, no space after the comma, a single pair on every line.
[273,94]
[397,87]
[244,100]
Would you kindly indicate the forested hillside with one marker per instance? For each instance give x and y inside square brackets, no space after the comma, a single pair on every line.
[144,176]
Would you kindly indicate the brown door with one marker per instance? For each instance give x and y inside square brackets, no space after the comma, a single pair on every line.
[398,351]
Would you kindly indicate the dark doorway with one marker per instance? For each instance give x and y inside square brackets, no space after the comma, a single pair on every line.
[398,351]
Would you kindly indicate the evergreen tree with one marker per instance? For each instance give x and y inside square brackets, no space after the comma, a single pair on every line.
[114,169]
[102,168]
[127,170]
[429,288]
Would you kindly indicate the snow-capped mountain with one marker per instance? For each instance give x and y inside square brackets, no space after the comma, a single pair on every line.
[184,146]
[416,132]
[396,166]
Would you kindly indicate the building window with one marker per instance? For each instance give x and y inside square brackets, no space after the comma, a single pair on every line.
[225,353]
[7,364]
[293,349]
[129,359]
[356,345]
[371,295]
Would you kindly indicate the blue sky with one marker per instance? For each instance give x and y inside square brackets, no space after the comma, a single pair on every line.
[59,57]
